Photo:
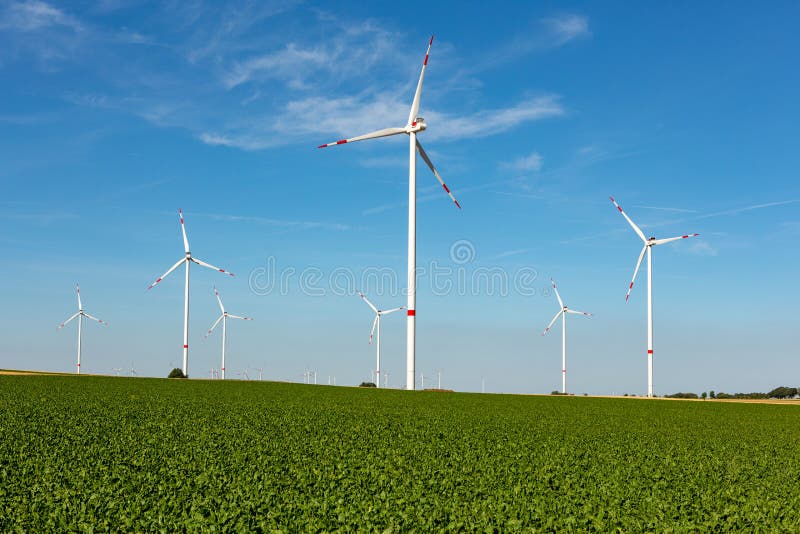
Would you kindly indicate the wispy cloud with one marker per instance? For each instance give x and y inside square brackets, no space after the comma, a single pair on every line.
[33,15]
[509,253]
[566,28]
[38,219]
[355,115]
[743,209]
[280,223]
[531,162]
[665,208]
[701,248]
[215,76]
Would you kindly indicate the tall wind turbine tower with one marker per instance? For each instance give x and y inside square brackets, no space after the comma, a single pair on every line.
[188,259]
[563,314]
[224,318]
[376,324]
[414,125]
[80,315]
[649,243]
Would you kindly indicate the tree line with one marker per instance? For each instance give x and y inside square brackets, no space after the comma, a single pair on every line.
[782,392]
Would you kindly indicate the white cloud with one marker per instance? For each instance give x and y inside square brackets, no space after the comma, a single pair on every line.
[493,121]
[566,28]
[329,118]
[33,15]
[531,162]
[702,248]
[281,223]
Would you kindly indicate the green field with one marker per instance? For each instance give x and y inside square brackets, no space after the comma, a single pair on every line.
[123,454]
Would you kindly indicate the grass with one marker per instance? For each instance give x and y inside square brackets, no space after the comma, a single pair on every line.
[132,454]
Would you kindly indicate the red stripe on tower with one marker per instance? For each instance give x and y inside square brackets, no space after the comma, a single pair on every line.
[412,313]
[650,351]
[186,346]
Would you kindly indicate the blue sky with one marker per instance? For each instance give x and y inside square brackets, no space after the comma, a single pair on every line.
[114,114]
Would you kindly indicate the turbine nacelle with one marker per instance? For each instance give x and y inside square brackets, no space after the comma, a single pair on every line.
[417,125]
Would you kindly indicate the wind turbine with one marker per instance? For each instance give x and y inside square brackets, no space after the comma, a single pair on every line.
[563,313]
[188,259]
[224,318]
[649,243]
[414,126]
[80,315]
[377,324]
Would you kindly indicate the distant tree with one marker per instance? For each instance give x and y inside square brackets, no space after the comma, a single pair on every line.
[712,394]
[782,392]
[367,385]
[703,395]
[682,396]
[176,373]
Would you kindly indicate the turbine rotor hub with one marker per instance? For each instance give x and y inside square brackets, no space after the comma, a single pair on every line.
[417,126]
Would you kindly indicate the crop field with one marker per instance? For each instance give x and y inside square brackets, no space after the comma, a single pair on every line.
[144,455]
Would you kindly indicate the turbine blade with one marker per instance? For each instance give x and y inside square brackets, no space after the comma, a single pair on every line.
[633,225]
[221,307]
[635,272]
[671,239]
[62,325]
[372,332]
[183,230]
[230,316]
[546,330]
[160,278]
[78,288]
[386,312]
[412,116]
[213,326]
[102,322]
[560,302]
[576,312]
[204,264]
[436,173]
[371,305]
[372,135]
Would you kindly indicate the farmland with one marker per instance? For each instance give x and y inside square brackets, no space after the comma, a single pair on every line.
[81,453]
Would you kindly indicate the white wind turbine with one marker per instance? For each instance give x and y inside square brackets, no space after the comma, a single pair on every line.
[649,243]
[414,125]
[224,318]
[188,259]
[80,315]
[563,313]
[377,324]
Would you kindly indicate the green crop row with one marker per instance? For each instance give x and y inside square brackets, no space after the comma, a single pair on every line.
[146,455]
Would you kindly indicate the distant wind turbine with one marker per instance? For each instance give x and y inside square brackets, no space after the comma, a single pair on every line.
[188,259]
[649,243]
[224,318]
[563,313]
[415,125]
[80,315]
[376,324]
